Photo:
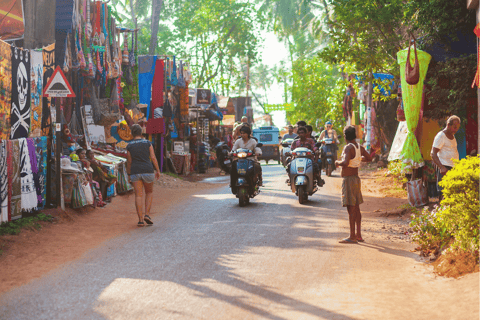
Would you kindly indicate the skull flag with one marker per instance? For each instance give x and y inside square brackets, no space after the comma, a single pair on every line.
[20,114]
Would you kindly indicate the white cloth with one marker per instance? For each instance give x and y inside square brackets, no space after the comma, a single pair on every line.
[355,162]
[250,145]
[29,195]
[448,149]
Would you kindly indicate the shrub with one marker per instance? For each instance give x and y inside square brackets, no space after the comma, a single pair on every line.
[14,227]
[395,171]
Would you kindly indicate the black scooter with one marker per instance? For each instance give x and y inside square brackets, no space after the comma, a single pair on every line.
[245,181]
[224,161]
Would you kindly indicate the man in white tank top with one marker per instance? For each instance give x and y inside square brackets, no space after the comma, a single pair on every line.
[444,149]
[352,155]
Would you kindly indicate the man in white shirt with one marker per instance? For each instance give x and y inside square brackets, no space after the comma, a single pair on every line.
[444,149]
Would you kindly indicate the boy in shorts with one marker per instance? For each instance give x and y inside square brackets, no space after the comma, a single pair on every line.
[352,155]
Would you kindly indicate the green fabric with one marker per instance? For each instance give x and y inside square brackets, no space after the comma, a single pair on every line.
[412,102]
[362,111]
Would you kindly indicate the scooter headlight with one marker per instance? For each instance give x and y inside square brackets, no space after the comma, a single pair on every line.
[242,154]
[301,153]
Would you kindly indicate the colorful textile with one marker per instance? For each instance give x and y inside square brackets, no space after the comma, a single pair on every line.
[20,114]
[68,180]
[174,80]
[41,176]
[157,87]
[5,89]
[14,180]
[48,69]
[183,101]
[146,70]
[29,195]
[36,78]
[412,102]
[3,182]
[34,165]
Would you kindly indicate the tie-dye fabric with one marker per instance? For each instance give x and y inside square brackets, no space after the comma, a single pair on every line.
[48,68]
[13,153]
[20,114]
[41,176]
[5,89]
[36,80]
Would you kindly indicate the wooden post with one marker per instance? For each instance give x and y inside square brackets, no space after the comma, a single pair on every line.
[58,148]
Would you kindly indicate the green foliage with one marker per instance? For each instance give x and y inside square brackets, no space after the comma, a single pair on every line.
[14,227]
[457,218]
[395,171]
[449,87]
[317,92]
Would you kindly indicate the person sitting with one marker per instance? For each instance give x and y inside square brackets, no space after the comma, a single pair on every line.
[100,173]
[247,142]
[96,189]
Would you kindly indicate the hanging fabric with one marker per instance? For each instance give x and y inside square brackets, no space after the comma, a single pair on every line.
[15,184]
[36,79]
[20,114]
[157,88]
[131,55]
[29,196]
[412,102]
[3,182]
[174,73]
[48,68]
[41,176]
[146,70]
[181,79]
[5,89]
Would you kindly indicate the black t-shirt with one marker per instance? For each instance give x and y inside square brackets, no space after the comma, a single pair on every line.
[140,153]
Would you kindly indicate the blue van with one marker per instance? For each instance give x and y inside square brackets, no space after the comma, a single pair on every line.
[269,136]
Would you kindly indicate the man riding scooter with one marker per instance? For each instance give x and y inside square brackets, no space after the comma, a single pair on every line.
[309,143]
[329,140]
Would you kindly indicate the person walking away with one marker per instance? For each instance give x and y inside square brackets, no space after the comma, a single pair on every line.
[352,155]
[246,142]
[290,134]
[444,150]
[141,162]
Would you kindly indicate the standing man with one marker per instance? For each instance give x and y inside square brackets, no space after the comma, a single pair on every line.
[444,149]
[352,155]
[290,134]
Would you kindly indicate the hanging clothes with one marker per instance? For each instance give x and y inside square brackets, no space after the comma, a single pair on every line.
[48,54]
[5,89]
[29,195]
[157,87]
[41,176]
[21,90]
[14,181]
[3,182]
[174,80]
[146,70]
[36,79]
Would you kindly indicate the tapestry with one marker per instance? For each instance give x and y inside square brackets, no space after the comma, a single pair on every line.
[3,182]
[29,196]
[5,89]
[146,69]
[20,114]
[36,79]
[11,15]
[14,180]
[41,153]
[184,101]
[48,54]
[157,87]
[34,165]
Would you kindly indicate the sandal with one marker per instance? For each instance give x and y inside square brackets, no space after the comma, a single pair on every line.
[148,220]
[141,224]
[360,240]
[348,240]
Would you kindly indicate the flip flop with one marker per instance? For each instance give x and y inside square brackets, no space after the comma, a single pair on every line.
[348,240]
[141,224]
[147,219]
[360,240]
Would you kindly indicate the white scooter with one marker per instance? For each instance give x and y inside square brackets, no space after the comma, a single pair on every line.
[302,179]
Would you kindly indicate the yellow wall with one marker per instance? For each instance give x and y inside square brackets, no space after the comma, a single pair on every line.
[430,128]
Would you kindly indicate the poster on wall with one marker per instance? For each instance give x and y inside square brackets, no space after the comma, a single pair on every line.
[11,17]
[204,96]
[96,133]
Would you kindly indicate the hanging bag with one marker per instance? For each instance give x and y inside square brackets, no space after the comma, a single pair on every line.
[400,112]
[417,193]
[103,113]
[412,74]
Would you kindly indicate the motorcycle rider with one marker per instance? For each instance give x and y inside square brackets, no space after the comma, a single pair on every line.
[290,134]
[309,143]
[329,132]
[247,142]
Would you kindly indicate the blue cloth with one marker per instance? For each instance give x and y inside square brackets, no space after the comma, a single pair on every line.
[146,70]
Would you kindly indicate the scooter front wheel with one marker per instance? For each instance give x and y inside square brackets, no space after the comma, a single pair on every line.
[302,195]
[243,199]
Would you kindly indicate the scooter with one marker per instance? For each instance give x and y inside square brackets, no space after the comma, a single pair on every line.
[246,185]
[302,179]
[328,155]
[224,161]
[286,145]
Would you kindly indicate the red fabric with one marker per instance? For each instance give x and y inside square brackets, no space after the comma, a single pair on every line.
[157,87]
[98,13]
[155,125]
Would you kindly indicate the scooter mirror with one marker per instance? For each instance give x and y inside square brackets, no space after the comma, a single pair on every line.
[259,145]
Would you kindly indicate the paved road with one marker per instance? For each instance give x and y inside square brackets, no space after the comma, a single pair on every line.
[211,259]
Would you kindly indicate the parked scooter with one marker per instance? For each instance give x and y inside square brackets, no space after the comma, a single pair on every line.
[286,145]
[224,161]
[247,184]
[328,151]
[302,179]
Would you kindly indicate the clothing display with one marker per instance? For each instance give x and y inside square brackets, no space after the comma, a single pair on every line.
[13,154]
[5,89]
[36,81]
[20,114]
[146,70]
[3,182]
[48,68]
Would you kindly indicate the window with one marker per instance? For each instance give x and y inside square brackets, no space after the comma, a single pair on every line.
[266,137]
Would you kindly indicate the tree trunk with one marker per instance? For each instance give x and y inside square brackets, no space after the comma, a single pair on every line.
[134,16]
[156,7]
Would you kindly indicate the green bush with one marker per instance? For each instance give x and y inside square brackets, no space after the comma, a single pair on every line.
[14,227]
[457,217]
[460,204]
[395,170]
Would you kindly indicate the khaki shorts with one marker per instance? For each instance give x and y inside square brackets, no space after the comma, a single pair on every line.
[351,191]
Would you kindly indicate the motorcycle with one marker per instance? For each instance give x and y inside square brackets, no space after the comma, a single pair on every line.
[224,161]
[246,185]
[286,145]
[302,180]
[328,151]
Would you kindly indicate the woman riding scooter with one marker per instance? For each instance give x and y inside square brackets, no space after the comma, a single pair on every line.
[246,142]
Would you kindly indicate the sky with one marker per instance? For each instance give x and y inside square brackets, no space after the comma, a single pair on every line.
[275,53]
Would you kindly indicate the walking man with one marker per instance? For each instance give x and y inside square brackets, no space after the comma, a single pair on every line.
[352,155]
